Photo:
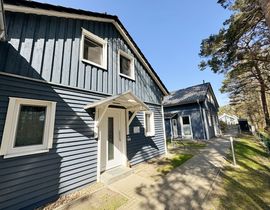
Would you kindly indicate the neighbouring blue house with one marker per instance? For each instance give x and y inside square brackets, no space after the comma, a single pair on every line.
[191,113]
[77,98]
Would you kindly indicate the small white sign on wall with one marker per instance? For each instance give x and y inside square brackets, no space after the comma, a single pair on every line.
[136,129]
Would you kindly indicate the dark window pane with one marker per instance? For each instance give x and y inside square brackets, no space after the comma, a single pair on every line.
[92,51]
[186,120]
[125,66]
[30,127]
[110,139]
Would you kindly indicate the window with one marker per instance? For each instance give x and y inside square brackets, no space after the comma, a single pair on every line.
[149,124]
[93,49]
[186,120]
[28,128]
[126,65]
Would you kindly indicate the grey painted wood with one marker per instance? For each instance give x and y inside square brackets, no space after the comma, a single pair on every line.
[75,54]
[49,49]
[138,150]
[39,43]
[58,51]
[69,164]
[67,53]
[197,119]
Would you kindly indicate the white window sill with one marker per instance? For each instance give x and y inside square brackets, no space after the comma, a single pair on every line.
[94,64]
[149,134]
[25,153]
[128,77]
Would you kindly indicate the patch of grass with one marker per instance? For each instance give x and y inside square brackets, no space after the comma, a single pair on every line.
[171,163]
[194,144]
[247,186]
[188,144]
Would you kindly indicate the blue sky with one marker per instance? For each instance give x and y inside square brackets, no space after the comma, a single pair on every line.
[169,34]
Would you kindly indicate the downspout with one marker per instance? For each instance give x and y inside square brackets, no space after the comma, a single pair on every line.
[164,130]
[3,34]
[204,135]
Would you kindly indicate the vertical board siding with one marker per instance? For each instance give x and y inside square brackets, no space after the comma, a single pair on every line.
[48,48]
[71,162]
[140,147]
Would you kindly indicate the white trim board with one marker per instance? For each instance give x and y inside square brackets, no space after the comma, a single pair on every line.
[23,9]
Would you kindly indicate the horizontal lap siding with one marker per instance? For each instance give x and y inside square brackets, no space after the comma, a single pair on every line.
[72,161]
[48,48]
[140,147]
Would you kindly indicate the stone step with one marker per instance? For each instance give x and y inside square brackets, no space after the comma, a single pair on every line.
[115,174]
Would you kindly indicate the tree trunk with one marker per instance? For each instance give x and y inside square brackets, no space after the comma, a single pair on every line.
[265,107]
[265,5]
[263,98]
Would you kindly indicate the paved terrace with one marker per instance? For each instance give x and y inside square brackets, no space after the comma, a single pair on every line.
[187,187]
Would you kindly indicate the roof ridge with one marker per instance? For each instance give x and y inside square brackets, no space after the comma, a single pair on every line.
[206,83]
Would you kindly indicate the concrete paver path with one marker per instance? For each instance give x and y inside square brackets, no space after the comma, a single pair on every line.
[187,187]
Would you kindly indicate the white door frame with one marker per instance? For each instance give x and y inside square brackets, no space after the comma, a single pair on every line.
[190,124]
[122,125]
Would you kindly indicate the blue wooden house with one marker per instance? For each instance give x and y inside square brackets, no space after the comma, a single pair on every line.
[191,113]
[77,98]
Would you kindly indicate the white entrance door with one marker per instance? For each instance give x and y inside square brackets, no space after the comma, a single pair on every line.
[175,129]
[186,127]
[112,138]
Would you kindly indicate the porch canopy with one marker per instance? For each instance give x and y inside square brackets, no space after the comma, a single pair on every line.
[125,100]
[169,115]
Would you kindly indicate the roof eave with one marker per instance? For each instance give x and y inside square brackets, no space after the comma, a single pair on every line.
[212,91]
[180,104]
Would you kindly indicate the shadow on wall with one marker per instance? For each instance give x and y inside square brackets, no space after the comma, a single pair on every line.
[197,125]
[140,148]
[31,181]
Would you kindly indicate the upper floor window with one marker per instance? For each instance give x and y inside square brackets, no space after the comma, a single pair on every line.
[28,128]
[93,49]
[126,65]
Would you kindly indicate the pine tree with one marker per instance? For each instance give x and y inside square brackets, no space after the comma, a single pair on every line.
[241,51]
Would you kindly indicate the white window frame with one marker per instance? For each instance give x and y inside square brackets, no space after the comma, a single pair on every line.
[124,54]
[152,124]
[7,146]
[96,39]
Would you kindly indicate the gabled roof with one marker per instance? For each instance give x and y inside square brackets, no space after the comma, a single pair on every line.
[227,115]
[189,95]
[60,11]
[126,99]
